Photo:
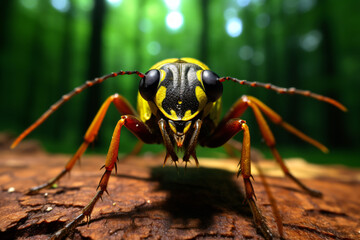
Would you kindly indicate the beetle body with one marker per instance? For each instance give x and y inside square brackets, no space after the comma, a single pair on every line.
[179,105]
[179,96]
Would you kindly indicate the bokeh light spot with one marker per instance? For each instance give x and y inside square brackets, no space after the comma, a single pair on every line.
[243,3]
[114,3]
[172,4]
[246,53]
[310,41]
[174,20]
[145,25]
[234,27]
[61,5]
[306,5]
[30,4]
[154,48]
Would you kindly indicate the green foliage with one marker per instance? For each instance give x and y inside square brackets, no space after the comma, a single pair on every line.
[45,51]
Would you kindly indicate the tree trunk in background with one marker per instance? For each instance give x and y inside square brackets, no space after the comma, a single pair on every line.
[330,72]
[292,73]
[6,10]
[5,13]
[66,62]
[141,7]
[93,96]
[292,76]
[204,37]
[37,63]
[272,59]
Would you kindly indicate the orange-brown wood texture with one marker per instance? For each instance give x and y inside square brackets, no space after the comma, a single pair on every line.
[150,201]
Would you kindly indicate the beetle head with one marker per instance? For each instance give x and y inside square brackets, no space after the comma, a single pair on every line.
[181,91]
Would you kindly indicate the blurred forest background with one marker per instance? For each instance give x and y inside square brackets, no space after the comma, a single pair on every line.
[48,47]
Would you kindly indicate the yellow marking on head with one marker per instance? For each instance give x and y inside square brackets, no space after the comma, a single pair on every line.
[195,61]
[163,62]
[202,100]
[159,98]
[201,97]
[185,59]
[215,112]
[143,108]
[162,75]
[188,115]
[160,95]
[187,126]
[173,115]
[199,77]
[172,126]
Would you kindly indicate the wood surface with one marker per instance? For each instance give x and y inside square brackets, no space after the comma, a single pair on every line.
[148,201]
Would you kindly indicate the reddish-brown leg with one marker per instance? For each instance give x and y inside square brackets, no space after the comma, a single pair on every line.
[219,137]
[143,133]
[232,145]
[122,105]
[276,118]
[167,143]
[66,98]
[258,107]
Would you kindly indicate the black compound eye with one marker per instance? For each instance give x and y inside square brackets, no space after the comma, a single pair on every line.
[148,84]
[213,87]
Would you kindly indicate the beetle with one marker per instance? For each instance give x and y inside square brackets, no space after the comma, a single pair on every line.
[178,105]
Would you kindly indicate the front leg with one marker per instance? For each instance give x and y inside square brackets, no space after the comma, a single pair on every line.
[122,105]
[221,135]
[140,130]
[258,108]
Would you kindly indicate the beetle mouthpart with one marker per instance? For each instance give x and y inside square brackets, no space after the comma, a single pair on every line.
[179,139]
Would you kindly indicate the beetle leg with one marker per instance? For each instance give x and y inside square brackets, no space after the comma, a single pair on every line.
[109,165]
[122,105]
[270,141]
[66,98]
[255,157]
[245,101]
[141,131]
[218,138]
[193,142]
[277,119]
[167,142]
[257,106]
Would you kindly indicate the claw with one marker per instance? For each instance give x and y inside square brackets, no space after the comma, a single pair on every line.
[166,157]
[88,219]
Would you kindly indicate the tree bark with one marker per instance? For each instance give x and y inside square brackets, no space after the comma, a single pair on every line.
[150,201]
